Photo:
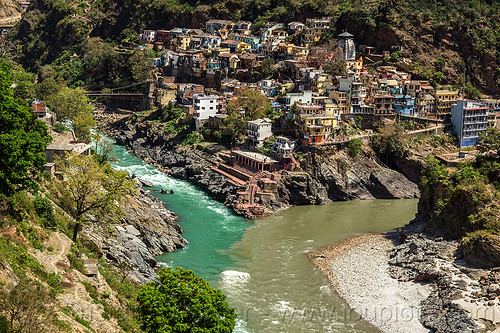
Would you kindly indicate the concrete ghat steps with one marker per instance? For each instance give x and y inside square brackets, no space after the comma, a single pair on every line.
[230,178]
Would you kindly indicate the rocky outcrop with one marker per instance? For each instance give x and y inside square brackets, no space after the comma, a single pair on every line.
[482,250]
[148,229]
[460,294]
[330,174]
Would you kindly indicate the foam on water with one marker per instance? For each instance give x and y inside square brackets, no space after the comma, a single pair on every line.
[231,277]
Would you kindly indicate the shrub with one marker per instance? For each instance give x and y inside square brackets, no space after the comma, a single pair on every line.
[192,138]
[45,211]
[59,127]
[354,147]
[183,302]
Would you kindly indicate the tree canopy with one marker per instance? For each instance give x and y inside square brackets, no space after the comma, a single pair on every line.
[184,302]
[92,188]
[23,139]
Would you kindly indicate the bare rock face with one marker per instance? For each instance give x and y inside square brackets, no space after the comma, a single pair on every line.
[148,229]
[329,174]
[426,259]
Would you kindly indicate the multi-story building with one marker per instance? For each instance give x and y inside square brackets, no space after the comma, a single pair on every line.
[296,26]
[357,95]
[315,28]
[425,105]
[383,104]
[205,106]
[315,123]
[405,105]
[267,31]
[258,130]
[341,99]
[147,36]
[182,42]
[469,119]
[301,97]
[443,101]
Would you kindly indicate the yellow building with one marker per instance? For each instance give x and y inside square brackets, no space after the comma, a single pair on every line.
[182,42]
[444,99]
[300,52]
[340,97]
[356,65]
[315,123]
[322,83]
[244,47]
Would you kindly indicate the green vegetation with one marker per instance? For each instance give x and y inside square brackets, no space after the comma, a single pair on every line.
[91,188]
[25,307]
[183,302]
[45,211]
[388,142]
[463,203]
[490,141]
[268,144]
[23,139]
[55,33]
[354,147]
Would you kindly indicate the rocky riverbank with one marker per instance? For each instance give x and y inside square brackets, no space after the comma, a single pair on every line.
[412,282]
[357,269]
[327,173]
[148,229]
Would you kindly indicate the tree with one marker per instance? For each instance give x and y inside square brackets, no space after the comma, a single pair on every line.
[183,302]
[70,103]
[90,188]
[389,142]
[23,139]
[26,306]
[253,103]
[141,65]
[490,140]
[234,126]
[73,104]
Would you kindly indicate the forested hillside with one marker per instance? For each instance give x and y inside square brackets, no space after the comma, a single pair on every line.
[427,36]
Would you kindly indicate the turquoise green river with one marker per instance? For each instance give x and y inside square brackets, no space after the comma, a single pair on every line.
[262,266]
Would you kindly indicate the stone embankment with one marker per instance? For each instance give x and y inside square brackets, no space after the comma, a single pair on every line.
[327,173]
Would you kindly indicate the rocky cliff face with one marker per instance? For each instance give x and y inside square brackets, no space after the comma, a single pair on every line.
[148,229]
[330,174]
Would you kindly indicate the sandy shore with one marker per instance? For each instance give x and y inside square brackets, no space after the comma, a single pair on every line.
[357,269]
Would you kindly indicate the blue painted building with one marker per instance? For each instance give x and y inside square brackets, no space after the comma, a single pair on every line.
[405,105]
[470,120]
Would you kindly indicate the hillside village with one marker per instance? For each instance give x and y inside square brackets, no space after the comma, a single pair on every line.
[323,86]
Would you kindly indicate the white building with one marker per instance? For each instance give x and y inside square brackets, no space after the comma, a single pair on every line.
[304,97]
[203,107]
[258,130]
[148,36]
[296,26]
[469,120]
[284,147]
